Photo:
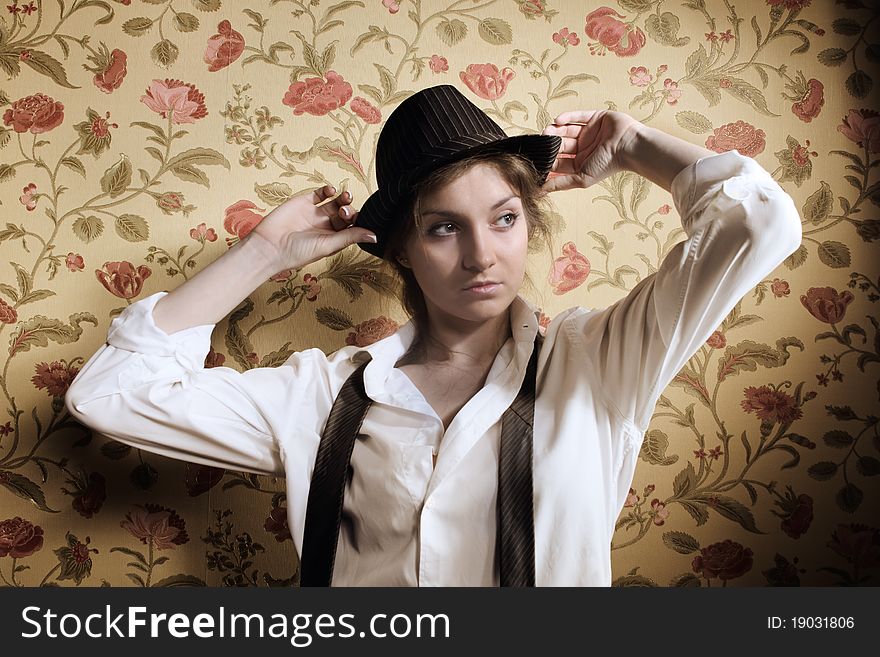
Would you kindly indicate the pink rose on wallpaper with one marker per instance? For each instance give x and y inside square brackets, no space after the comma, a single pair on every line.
[742,136]
[569,270]
[223,48]
[391,5]
[612,34]
[366,110]
[114,73]
[863,127]
[827,304]
[371,330]
[157,525]
[780,288]
[486,80]
[673,93]
[438,64]
[37,113]
[122,279]
[811,101]
[240,218]
[318,96]
[179,100]
[29,196]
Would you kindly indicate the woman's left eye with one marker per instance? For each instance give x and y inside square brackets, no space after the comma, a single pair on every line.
[512,215]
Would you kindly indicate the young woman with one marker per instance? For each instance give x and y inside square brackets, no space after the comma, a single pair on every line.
[467,448]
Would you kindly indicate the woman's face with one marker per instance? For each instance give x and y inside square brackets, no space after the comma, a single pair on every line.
[474,230]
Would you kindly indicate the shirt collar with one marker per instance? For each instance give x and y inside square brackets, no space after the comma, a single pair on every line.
[386,352]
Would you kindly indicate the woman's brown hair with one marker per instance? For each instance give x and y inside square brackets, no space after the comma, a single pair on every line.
[522,177]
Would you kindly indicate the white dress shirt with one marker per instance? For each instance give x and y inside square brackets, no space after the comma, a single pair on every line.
[405,521]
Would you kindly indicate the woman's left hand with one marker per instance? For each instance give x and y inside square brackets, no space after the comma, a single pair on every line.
[598,146]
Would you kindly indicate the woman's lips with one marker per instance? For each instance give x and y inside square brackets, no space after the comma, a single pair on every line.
[489,288]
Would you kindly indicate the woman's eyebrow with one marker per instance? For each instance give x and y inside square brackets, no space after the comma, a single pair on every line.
[450,213]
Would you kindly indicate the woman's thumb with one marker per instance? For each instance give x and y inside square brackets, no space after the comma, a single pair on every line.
[349,236]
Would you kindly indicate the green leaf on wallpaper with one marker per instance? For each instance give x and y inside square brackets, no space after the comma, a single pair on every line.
[823,470]
[664,29]
[834,254]
[47,65]
[276,358]
[819,204]
[273,193]
[684,481]
[7,171]
[258,21]
[117,178]
[164,53]
[797,258]
[747,355]
[452,32]
[239,346]
[26,489]
[186,22]
[191,173]
[697,62]
[132,228]
[846,26]
[731,509]
[335,151]
[334,318]
[748,93]
[859,84]
[636,6]
[681,542]
[832,56]
[203,5]
[137,26]
[179,580]
[512,105]
[5,136]
[693,122]
[868,466]
[654,448]
[74,164]
[838,438]
[88,228]
[495,31]
[849,497]
[374,33]
[199,155]
[38,330]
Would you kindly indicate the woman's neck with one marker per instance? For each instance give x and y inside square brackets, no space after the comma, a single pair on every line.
[457,343]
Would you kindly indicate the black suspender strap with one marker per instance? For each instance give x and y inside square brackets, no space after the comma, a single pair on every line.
[516,534]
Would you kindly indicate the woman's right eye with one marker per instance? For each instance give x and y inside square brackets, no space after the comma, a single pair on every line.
[434,230]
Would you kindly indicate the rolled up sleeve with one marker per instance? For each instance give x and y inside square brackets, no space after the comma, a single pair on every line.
[740,225]
[150,390]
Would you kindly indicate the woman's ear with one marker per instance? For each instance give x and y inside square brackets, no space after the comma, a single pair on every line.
[402,259]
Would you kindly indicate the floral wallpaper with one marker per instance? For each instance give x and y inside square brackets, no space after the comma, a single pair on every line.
[140,139]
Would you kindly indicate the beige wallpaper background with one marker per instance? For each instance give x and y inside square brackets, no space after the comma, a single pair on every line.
[142,138]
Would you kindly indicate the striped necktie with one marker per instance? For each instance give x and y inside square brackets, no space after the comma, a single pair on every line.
[515,532]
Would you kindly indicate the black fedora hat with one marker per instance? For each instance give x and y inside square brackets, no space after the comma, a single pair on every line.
[431,128]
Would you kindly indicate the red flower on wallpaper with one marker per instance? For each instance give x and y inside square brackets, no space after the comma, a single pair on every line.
[55,377]
[8,314]
[863,127]
[179,100]
[827,304]
[37,113]
[19,538]
[569,270]
[857,543]
[277,524]
[811,101]
[224,47]
[770,405]
[122,279]
[156,524]
[742,136]
[366,110]
[114,73]
[240,218]
[612,34]
[89,494]
[438,64]
[797,513]
[318,96]
[371,330]
[725,560]
[486,80]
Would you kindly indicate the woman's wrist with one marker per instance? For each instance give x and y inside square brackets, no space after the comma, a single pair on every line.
[659,156]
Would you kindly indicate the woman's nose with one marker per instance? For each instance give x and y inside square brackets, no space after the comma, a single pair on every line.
[479,251]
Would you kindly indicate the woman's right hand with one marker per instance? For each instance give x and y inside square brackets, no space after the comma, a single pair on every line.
[302,232]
